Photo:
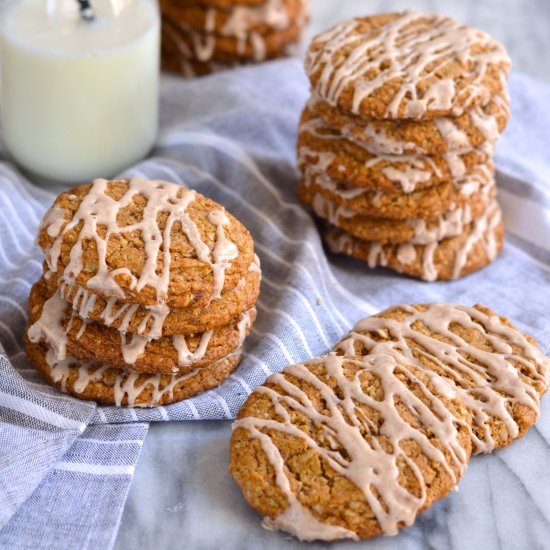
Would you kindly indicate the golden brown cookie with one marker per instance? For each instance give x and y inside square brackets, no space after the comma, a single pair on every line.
[439,136]
[177,57]
[154,321]
[426,203]
[406,66]
[235,20]
[90,381]
[324,149]
[476,247]
[254,47]
[151,243]
[338,448]
[388,231]
[226,4]
[88,340]
[498,372]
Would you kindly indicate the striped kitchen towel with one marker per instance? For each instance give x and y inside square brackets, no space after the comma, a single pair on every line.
[65,465]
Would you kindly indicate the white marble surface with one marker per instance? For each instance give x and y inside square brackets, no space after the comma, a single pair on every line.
[182,495]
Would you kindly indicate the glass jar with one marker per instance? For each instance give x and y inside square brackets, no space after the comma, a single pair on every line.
[79,98]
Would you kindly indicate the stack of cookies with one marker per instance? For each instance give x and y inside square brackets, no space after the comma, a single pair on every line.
[147,295]
[396,142]
[203,36]
[357,443]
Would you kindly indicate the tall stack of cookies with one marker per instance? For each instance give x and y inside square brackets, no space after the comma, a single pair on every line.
[203,36]
[396,142]
[147,295]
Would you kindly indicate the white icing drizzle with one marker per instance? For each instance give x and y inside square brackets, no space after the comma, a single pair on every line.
[151,326]
[482,231]
[49,326]
[456,139]
[429,269]
[187,357]
[225,251]
[49,329]
[98,209]
[406,254]
[204,46]
[255,266]
[82,329]
[449,224]
[376,256]
[329,210]
[355,451]
[244,324]
[127,385]
[399,54]
[486,380]
[133,347]
[52,221]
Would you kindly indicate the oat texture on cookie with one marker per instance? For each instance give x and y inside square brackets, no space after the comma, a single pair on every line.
[396,142]
[147,296]
[204,36]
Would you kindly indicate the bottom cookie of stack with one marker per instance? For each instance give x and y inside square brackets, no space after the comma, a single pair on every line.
[121,387]
[475,247]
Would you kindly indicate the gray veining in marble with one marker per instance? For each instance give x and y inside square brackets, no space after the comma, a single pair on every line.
[182,495]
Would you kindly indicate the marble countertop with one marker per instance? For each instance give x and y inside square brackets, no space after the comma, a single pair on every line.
[182,495]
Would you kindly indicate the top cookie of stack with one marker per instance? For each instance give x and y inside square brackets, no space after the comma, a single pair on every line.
[203,36]
[397,139]
[150,287]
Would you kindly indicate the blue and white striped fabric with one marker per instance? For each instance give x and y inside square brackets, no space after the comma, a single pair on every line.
[65,465]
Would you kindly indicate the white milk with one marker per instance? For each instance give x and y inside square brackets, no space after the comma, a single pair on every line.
[79,100]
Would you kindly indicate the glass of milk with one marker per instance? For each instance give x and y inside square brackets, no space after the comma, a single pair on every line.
[79,99]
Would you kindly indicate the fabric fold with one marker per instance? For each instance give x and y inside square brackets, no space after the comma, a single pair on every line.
[79,502]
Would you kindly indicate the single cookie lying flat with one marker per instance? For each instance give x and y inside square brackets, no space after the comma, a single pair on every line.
[498,372]
[237,21]
[155,321]
[337,448]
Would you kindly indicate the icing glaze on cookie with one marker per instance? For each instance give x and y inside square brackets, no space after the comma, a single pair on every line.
[488,379]
[359,434]
[97,214]
[407,63]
